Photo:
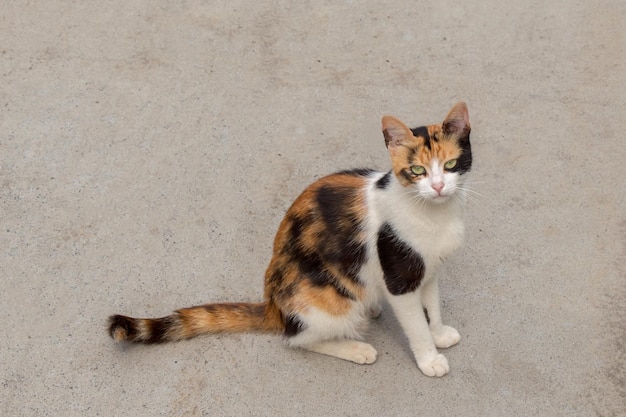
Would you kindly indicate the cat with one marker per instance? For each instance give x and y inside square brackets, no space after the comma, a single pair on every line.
[349,238]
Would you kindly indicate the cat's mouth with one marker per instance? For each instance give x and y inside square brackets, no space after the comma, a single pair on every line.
[440,198]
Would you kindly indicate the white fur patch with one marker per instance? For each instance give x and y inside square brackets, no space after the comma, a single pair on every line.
[320,326]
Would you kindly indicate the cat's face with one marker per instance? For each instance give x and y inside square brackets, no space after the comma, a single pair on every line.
[431,160]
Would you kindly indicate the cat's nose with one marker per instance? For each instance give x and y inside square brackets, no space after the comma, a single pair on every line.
[438,187]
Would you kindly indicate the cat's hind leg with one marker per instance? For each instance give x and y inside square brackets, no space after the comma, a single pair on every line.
[350,350]
[335,336]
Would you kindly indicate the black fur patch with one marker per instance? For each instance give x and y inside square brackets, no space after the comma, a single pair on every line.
[422,131]
[384,181]
[293,325]
[402,266]
[333,202]
[158,329]
[339,244]
[357,172]
[464,162]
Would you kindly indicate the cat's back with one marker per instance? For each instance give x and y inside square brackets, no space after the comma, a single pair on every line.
[338,189]
[324,227]
[329,211]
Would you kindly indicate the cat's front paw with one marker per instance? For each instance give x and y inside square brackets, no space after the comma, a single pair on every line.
[445,337]
[437,366]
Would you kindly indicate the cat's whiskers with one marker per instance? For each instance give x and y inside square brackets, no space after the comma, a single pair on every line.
[473,181]
[471,196]
[415,197]
[469,192]
[469,183]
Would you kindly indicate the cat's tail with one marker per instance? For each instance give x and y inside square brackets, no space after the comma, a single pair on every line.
[193,321]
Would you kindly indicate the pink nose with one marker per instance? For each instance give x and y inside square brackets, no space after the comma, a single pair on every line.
[438,187]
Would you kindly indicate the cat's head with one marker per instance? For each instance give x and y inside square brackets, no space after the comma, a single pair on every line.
[431,159]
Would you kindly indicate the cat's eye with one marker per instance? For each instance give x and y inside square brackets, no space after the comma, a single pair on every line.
[418,170]
[450,164]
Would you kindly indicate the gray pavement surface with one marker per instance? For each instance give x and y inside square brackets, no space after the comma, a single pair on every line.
[148,150]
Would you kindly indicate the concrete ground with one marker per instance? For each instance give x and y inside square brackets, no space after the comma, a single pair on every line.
[149,149]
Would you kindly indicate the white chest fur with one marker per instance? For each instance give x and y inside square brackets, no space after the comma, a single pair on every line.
[434,230]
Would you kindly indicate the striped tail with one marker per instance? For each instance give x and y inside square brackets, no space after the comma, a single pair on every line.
[194,321]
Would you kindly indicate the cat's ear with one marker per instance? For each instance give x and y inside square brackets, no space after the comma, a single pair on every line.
[395,132]
[457,121]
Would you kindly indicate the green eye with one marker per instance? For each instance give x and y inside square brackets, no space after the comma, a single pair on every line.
[418,170]
[450,164]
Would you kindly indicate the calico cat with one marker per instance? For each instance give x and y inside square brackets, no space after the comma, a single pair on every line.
[348,238]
